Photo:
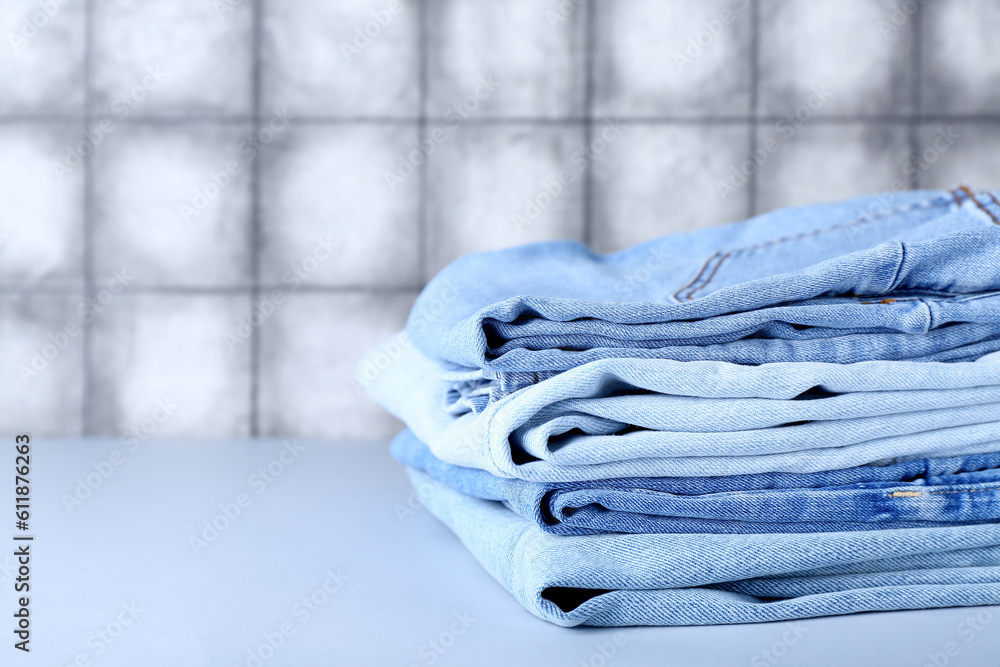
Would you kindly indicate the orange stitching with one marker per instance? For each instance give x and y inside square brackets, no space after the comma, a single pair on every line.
[981,206]
[883,301]
[968,191]
[990,195]
[987,212]
[954,193]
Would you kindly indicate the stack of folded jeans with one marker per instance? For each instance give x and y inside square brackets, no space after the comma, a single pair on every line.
[793,416]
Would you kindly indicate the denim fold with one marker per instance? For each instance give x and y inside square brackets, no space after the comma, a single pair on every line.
[920,493]
[701,579]
[839,282]
[664,418]
[792,416]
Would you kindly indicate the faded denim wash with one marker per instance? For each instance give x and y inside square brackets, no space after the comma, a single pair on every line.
[922,493]
[699,579]
[841,282]
[663,418]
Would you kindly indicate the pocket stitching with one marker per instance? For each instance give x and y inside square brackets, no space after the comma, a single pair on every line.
[975,200]
[923,206]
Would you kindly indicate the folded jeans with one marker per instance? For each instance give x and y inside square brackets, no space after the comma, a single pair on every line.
[921,493]
[806,283]
[663,418]
[699,579]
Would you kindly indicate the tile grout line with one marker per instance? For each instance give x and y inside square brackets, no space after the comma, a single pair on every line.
[255,231]
[422,241]
[221,290]
[754,56]
[178,121]
[916,65]
[87,407]
[589,42]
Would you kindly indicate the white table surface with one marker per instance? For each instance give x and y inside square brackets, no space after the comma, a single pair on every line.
[404,579]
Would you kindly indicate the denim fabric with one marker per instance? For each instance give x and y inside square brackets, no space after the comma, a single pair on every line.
[924,493]
[698,579]
[959,342]
[841,283]
[664,418]
[794,416]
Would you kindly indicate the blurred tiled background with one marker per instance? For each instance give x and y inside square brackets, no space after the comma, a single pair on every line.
[211,208]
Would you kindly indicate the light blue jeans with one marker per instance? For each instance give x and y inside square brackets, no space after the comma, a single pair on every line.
[840,282]
[616,580]
[803,341]
[915,494]
[664,418]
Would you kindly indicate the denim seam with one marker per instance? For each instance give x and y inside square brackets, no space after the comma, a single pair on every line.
[934,296]
[990,195]
[958,191]
[974,297]
[937,493]
[918,494]
[964,189]
[538,587]
[926,205]
[697,277]
[711,276]
[502,470]
[887,301]
[987,211]
[893,284]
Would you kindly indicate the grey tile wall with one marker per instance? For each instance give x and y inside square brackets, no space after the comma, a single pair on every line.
[843,47]
[673,58]
[328,180]
[210,210]
[656,178]
[141,177]
[171,348]
[42,224]
[42,66]
[490,189]
[539,64]
[202,54]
